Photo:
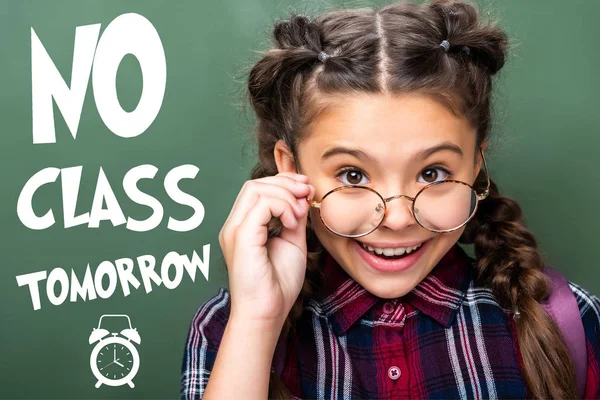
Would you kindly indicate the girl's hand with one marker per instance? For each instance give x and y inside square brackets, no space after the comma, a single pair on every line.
[266,274]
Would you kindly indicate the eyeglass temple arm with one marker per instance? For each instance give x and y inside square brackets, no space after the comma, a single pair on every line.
[487,176]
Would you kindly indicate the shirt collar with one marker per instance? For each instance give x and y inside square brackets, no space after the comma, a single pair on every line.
[439,295]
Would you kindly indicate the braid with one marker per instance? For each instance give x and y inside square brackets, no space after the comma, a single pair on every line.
[509,262]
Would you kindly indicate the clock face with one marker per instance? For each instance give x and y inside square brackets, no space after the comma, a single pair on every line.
[114,361]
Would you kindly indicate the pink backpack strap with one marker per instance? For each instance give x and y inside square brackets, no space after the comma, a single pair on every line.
[562,307]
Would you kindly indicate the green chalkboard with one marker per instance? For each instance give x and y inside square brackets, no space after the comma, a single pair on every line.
[166,120]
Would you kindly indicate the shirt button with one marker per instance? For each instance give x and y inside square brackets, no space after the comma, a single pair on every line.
[394,373]
[388,307]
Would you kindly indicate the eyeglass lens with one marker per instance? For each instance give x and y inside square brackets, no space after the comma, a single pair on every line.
[355,211]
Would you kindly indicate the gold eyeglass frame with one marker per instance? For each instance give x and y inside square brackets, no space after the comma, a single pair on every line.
[479,197]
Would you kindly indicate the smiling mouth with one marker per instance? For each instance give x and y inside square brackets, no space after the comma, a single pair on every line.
[391,253]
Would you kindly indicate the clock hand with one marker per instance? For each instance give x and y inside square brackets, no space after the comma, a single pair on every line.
[116,361]
[114,355]
[106,365]
[119,364]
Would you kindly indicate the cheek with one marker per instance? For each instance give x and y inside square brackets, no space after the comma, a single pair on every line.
[447,240]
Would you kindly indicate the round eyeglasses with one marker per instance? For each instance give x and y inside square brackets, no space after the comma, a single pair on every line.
[356,210]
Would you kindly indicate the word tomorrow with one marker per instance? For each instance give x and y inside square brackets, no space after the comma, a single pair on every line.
[119,272]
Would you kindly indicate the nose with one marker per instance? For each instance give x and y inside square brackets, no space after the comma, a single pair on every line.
[398,213]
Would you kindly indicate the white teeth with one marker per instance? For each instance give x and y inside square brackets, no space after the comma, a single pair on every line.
[391,251]
[388,252]
[399,251]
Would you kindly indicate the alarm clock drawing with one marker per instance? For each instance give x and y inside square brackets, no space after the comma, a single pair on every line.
[114,360]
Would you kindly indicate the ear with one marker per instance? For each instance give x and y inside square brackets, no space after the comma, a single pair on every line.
[284,158]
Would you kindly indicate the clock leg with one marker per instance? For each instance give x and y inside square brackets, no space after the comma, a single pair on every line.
[131,385]
[98,384]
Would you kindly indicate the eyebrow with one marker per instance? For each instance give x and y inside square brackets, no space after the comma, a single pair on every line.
[356,153]
[445,146]
[361,155]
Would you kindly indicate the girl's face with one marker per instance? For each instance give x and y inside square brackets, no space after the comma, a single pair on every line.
[382,142]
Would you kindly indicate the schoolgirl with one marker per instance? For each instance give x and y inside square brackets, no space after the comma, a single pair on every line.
[346,279]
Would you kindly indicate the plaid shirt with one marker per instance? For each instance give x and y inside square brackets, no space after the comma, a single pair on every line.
[447,338]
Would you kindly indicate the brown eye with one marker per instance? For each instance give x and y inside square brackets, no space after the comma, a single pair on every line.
[430,175]
[438,174]
[352,177]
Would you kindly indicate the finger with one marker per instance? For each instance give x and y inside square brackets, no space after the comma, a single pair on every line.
[294,175]
[247,198]
[228,229]
[297,235]
[284,188]
[311,195]
[295,183]
[282,178]
[296,189]
[253,189]
[253,229]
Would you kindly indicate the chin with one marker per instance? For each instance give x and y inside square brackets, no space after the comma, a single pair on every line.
[392,292]
[390,285]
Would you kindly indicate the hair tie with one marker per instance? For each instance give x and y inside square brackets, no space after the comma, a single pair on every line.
[322,56]
[446,45]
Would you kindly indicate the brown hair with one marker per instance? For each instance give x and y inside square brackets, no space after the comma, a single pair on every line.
[396,49]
